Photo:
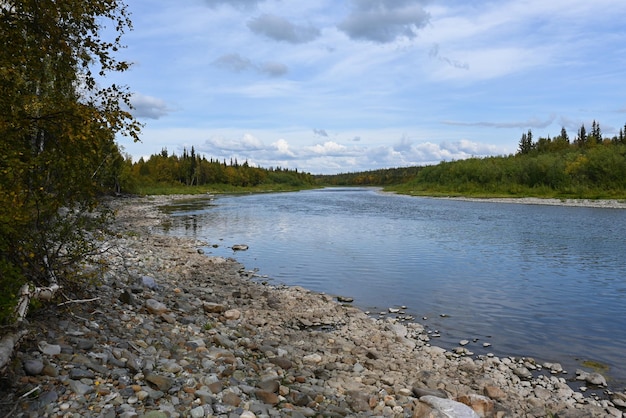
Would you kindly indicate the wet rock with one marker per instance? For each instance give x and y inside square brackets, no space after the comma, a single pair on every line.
[594,378]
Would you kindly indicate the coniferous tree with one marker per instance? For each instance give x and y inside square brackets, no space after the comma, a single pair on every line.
[581,139]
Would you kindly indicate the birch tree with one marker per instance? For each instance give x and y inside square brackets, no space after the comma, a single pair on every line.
[58,124]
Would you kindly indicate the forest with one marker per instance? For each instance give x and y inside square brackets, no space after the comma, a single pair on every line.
[589,166]
[190,172]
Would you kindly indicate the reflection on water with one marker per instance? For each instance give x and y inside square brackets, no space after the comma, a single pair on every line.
[540,281]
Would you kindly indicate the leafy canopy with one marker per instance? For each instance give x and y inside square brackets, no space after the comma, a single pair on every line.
[57,131]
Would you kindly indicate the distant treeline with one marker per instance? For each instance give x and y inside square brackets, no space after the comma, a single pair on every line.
[381,177]
[190,169]
[590,166]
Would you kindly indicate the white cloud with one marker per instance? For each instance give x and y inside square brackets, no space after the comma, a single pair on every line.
[148,107]
[282,149]
[329,148]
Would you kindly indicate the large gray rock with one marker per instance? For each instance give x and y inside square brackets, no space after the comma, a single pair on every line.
[449,408]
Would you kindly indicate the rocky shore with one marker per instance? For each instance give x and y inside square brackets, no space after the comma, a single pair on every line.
[167,331]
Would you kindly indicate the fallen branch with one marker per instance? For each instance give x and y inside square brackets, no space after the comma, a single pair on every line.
[27,293]
[7,345]
[39,293]
[78,301]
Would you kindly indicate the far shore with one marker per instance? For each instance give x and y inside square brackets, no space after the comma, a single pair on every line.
[587,203]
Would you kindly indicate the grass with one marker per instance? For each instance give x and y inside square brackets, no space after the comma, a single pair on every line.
[517,192]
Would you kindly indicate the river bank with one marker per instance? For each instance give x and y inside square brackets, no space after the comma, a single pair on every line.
[588,203]
[173,332]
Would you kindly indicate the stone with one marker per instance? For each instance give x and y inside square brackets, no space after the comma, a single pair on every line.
[78,373]
[232,314]
[494,392]
[344,299]
[312,358]
[197,412]
[267,397]
[449,407]
[155,414]
[163,383]
[155,307]
[419,392]
[33,367]
[239,247]
[80,388]
[149,282]
[211,307]
[231,398]
[269,385]
[482,405]
[282,362]
[49,349]
[522,372]
[595,379]
[358,400]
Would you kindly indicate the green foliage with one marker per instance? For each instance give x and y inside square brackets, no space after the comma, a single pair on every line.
[166,173]
[591,167]
[57,128]
[382,177]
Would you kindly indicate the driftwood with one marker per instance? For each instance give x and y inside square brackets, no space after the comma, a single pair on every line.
[27,293]
[39,293]
[7,345]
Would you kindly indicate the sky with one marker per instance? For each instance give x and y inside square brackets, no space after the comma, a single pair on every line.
[334,86]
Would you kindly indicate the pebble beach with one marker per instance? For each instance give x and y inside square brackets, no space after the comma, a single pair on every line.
[168,331]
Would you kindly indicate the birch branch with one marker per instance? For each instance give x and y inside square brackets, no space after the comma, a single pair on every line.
[7,345]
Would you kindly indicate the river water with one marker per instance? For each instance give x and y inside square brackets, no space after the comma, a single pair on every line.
[547,282]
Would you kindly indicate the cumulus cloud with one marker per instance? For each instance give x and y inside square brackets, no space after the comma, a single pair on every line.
[330,148]
[530,123]
[148,107]
[282,149]
[280,29]
[247,142]
[384,21]
[333,157]
[236,63]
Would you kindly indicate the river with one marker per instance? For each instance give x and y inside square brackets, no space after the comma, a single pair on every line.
[546,282]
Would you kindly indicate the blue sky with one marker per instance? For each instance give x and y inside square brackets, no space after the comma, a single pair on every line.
[329,86]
